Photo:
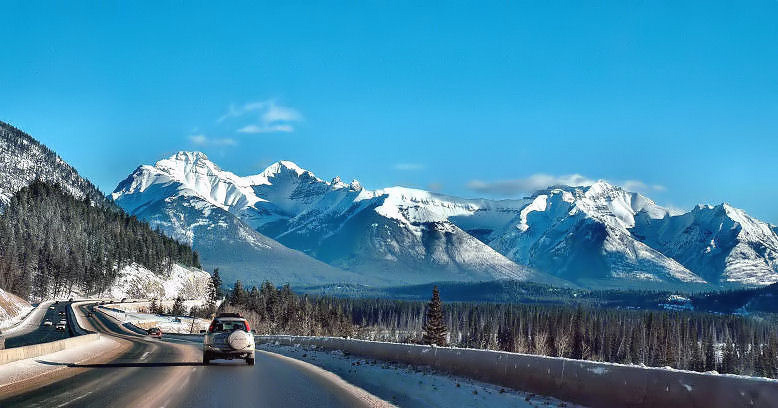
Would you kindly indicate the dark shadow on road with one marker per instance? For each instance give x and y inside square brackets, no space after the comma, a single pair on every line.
[129,364]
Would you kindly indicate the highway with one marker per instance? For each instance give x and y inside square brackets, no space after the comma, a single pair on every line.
[168,372]
[43,334]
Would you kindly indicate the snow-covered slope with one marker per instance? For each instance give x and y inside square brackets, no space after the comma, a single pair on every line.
[24,159]
[720,243]
[136,282]
[583,234]
[596,236]
[190,199]
[12,309]
[390,236]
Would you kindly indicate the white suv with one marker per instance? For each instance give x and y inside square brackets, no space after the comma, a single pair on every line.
[229,337]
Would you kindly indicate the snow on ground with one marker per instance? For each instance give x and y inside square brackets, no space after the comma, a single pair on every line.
[409,386]
[13,309]
[135,281]
[168,324]
[24,370]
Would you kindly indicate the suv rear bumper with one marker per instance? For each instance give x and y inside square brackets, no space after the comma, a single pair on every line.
[228,354]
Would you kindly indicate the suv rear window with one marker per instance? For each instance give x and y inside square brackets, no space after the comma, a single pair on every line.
[227,326]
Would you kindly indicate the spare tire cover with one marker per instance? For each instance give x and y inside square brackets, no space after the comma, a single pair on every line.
[238,340]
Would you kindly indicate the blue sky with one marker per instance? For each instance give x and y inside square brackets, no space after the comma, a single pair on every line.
[677,99]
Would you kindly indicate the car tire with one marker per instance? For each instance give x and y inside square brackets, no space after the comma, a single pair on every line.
[206,359]
[250,361]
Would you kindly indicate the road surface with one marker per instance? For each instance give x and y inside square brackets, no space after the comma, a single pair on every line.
[169,373]
[43,334]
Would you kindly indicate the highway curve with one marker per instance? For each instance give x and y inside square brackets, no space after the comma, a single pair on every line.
[169,373]
[42,334]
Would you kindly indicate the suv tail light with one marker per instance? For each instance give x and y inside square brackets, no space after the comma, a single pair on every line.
[248,328]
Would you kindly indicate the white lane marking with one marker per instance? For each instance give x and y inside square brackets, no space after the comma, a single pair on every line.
[143,357]
[74,399]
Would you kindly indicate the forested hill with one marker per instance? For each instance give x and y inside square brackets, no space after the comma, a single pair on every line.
[52,243]
[24,159]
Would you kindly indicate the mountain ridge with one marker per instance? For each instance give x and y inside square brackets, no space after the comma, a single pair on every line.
[587,235]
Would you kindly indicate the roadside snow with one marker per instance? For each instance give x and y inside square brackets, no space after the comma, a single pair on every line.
[408,386]
[13,309]
[24,370]
[168,324]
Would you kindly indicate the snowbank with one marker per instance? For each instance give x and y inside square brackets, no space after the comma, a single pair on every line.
[408,386]
[13,309]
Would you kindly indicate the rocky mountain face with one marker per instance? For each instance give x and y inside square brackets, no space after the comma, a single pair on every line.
[24,159]
[392,236]
[592,236]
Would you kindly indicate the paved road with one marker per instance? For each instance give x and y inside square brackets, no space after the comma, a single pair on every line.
[169,373]
[43,334]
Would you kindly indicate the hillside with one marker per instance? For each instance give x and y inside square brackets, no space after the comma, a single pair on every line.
[24,159]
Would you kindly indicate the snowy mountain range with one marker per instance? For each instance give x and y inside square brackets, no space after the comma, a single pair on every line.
[287,225]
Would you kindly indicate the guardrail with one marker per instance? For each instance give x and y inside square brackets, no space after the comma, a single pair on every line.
[584,382]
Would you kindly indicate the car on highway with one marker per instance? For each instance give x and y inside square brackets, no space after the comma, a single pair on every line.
[61,313]
[60,326]
[47,323]
[51,307]
[154,332]
[228,337]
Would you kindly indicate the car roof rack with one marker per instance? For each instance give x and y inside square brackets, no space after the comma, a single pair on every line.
[229,315]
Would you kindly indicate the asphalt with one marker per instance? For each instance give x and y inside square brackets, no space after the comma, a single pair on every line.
[168,372]
[43,334]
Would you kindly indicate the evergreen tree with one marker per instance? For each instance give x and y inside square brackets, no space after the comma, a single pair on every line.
[178,307]
[435,327]
[578,336]
[216,281]
[238,295]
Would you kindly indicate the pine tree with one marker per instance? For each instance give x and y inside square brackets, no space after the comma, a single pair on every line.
[435,328]
[238,295]
[216,281]
[578,335]
[178,307]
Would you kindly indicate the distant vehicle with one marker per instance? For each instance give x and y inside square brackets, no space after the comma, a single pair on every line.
[47,323]
[51,308]
[154,332]
[60,326]
[61,313]
[229,336]
[62,321]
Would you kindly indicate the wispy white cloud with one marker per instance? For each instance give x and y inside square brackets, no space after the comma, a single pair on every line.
[408,166]
[528,184]
[203,140]
[540,181]
[641,187]
[262,117]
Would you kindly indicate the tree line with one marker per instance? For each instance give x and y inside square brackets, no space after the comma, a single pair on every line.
[52,244]
[679,339]
[278,310]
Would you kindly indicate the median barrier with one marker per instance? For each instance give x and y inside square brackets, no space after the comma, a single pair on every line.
[590,383]
[37,350]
